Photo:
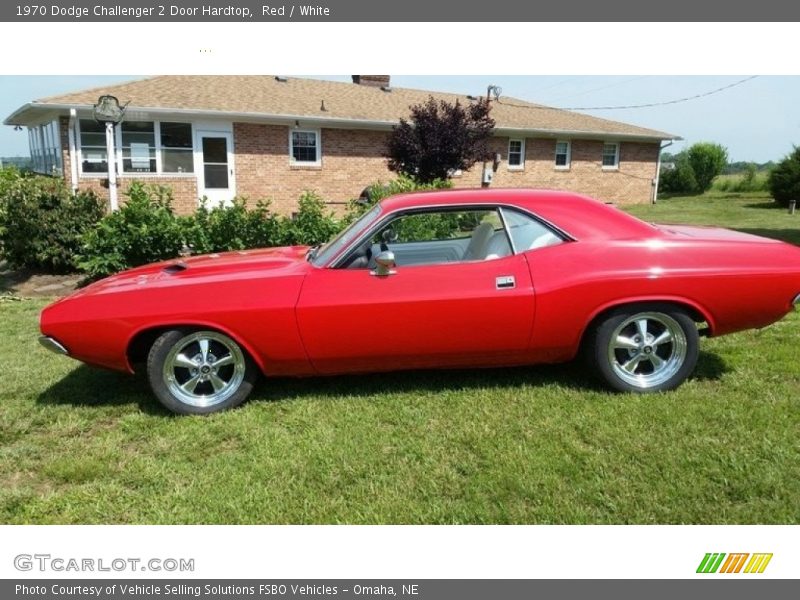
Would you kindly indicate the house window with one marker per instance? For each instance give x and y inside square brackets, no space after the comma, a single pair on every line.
[610,156]
[93,146]
[145,147]
[45,148]
[562,155]
[138,146]
[304,147]
[177,154]
[516,154]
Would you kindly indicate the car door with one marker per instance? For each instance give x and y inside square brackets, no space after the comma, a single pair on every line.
[472,312]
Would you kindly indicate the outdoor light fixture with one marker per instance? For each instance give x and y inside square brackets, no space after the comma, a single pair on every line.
[108,111]
[17,127]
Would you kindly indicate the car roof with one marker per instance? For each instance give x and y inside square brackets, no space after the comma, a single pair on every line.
[580,216]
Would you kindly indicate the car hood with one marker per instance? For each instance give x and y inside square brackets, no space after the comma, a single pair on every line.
[266,262]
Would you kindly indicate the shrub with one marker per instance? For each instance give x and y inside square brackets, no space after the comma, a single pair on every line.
[233,227]
[145,229]
[784,180]
[679,180]
[378,191]
[707,161]
[8,176]
[311,224]
[142,231]
[42,223]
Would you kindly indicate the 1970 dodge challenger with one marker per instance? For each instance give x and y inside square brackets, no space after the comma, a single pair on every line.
[457,278]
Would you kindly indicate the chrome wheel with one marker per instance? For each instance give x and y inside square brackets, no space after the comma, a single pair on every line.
[647,349]
[204,369]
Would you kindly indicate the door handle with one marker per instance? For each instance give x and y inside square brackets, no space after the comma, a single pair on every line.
[506,282]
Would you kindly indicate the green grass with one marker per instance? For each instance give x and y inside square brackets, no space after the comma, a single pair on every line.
[753,212]
[738,182]
[525,445]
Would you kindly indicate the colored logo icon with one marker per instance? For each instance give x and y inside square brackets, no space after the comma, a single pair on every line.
[719,562]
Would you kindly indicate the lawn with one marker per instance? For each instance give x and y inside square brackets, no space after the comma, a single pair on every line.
[753,213]
[524,445]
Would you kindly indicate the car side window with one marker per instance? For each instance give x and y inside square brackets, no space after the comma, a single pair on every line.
[443,236]
[528,233]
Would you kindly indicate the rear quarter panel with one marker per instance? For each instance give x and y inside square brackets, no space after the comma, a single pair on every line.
[734,286]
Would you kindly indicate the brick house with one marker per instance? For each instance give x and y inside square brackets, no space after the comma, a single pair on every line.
[264,137]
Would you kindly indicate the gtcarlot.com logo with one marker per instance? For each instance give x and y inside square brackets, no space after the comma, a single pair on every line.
[47,562]
[739,562]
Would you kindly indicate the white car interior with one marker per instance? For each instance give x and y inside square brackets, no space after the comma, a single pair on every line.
[488,240]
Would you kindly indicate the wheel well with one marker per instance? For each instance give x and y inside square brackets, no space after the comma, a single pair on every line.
[139,346]
[692,311]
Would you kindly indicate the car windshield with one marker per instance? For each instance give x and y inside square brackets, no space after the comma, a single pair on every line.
[332,248]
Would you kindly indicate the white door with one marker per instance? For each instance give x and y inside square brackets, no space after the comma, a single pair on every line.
[216,181]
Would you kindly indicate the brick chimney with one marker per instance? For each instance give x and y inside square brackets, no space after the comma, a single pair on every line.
[372,80]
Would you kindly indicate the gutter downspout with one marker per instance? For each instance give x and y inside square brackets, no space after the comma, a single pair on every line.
[73,163]
[658,171]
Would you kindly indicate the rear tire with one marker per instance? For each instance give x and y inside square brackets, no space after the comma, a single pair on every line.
[199,372]
[644,348]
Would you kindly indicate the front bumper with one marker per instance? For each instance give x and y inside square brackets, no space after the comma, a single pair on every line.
[53,345]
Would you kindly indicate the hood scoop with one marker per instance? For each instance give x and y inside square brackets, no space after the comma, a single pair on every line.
[176,267]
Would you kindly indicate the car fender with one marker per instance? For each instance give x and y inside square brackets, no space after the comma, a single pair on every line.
[679,300]
[194,324]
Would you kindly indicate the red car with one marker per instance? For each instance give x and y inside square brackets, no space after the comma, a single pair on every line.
[462,278]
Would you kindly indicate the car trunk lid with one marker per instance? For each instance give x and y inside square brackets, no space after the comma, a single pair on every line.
[714,234]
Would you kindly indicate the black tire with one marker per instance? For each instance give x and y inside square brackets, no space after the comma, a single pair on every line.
[660,360]
[199,372]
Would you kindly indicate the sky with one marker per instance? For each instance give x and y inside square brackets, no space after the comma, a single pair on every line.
[758,120]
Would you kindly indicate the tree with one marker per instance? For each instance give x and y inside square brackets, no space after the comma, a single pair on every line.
[707,161]
[440,138]
[784,179]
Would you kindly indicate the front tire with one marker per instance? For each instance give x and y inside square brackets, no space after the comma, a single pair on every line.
[648,348]
[199,372]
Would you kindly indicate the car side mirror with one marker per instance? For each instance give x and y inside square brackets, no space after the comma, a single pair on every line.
[384,264]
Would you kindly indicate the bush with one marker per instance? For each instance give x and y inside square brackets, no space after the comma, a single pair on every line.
[8,177]
[679,180]
[42,223]
[225,228]
[142,231]
[311,225]
[146,230]
[784,180]
[707,161]
[378,191]
[695,169]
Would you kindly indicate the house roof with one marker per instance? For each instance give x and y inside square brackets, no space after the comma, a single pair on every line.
[342,104]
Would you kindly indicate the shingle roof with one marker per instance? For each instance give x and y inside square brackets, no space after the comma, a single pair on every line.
[261,95]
